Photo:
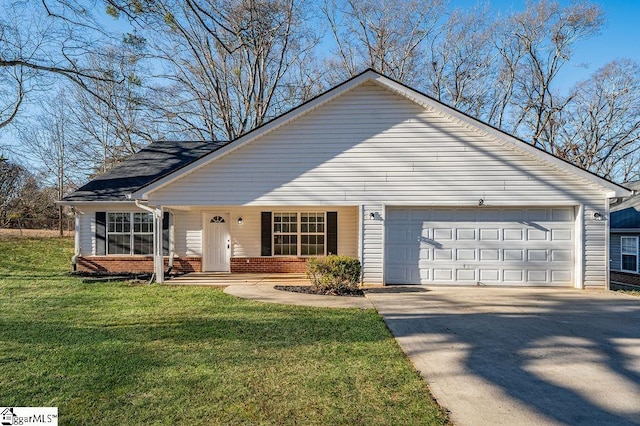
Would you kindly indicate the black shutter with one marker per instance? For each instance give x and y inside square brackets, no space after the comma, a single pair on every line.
[332,232]
[101,233]
[166,222]
[266,233]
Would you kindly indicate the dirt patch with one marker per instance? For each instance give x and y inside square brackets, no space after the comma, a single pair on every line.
[6,233]
[307,289]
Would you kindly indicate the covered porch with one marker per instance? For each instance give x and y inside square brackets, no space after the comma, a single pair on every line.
[254,244]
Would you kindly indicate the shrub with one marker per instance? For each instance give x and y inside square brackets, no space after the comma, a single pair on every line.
[334,274]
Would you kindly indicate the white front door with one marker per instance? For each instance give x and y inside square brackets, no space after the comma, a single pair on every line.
[217,248]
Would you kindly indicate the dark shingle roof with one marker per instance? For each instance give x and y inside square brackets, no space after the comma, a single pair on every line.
[626,214]
[153,162]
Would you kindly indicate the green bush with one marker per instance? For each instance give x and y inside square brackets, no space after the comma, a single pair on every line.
[334,274]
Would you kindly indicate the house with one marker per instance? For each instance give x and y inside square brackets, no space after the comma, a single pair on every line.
[420,192]
[625,230]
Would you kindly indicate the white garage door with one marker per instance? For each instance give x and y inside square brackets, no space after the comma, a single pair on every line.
[486,246]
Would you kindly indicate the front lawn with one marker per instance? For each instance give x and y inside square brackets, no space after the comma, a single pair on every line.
[115,353]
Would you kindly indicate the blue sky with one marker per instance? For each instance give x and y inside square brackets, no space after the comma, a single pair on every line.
[620,36]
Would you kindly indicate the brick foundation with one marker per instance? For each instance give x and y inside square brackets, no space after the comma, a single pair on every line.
[624,277]
[144,264]
[134,264]
[296,265]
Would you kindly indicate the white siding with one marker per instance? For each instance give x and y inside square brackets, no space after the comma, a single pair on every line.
[372,147]
[188,233]
[373,244]
[595,246]
[88,222]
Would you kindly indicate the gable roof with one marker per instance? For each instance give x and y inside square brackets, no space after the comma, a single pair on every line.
[151,163]
[403,90]
[626,214]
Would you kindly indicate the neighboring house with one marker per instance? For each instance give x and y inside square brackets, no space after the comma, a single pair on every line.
[625,232]
[419,192]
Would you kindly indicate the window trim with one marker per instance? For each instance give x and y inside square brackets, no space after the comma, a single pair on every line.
[298,233]
[622,254]
[131,233]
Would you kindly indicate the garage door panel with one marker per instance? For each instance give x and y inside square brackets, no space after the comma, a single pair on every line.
[489,254]
[443,234]
[442,254]
[465,254]
[533,275]
[443,274]
[480,245]
[536,234]
[466,275]
[490,234]
[465,234]
[536,255]
[490,275]
[561,235]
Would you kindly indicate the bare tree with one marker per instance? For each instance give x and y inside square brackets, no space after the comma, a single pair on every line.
[386,35]
[600,128]
[230,64]
[462,62]
[115,119]
[40,41]
[12,180]
[49,145]
[544,35]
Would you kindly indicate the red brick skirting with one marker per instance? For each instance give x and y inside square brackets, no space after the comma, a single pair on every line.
[144,264]
[134,264]
[624,277]
[269,264]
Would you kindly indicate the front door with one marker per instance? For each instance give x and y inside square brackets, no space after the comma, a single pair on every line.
[217,249]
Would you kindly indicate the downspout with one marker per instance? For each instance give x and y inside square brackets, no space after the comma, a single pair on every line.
[158,262]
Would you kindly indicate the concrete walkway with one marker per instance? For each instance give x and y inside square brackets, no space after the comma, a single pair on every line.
[260,287]
[266,293]
[522,356]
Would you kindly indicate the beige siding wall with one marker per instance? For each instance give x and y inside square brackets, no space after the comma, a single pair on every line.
[371,147]
[245,237]
[188,232]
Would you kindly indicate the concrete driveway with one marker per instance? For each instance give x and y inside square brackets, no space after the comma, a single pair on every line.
[521,356]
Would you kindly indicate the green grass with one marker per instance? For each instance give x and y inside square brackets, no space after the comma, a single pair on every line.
[119,354]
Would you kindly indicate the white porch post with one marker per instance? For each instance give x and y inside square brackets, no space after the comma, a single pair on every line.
[158,260]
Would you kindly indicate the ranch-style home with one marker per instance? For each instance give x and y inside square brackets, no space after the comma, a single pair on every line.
[420,192]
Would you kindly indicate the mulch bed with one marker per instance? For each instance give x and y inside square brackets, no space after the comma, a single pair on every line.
[307,289]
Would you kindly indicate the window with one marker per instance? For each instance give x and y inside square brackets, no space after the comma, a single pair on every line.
[312,234]
[629,251]
[129,233]
[298,233]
